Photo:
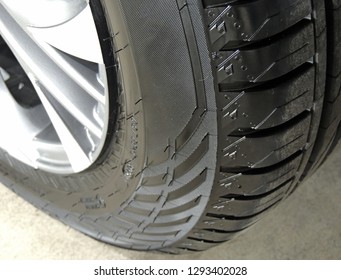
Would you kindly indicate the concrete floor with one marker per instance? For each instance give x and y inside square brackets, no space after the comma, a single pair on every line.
[306,226]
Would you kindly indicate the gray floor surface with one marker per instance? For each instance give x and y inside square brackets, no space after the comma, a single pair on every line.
[306,226]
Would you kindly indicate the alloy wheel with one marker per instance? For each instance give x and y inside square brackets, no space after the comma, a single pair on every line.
[54,98]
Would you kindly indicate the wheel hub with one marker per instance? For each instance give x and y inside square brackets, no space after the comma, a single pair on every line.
[55,118]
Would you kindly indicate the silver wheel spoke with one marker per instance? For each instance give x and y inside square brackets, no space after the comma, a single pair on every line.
[42,13]
[74,151]
[24,131]
[79,35]
[55,80]
[84,73]
[64,63]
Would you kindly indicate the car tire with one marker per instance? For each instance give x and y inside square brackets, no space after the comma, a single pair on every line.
[218,110]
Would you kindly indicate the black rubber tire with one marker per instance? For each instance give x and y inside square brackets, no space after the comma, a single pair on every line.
[224,108]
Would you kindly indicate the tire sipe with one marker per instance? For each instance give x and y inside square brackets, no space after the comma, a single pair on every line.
[217,111]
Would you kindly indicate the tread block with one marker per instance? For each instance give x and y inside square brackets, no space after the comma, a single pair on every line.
[218,222]
[188,188]
[138,244]
[194,245]
[159,228]
[155,236]
[247,22]
[278,104]
[172,212]
[241,206]
[264,151]
[244,68]
[213,235]
[192,160]
[259,183]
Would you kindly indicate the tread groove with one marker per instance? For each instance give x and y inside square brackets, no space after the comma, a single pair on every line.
[238,197]
[236,218]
